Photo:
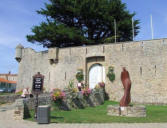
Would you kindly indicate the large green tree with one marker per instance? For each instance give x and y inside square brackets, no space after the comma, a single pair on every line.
[78,22]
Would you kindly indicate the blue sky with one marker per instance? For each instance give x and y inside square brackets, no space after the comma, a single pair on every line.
[17,17]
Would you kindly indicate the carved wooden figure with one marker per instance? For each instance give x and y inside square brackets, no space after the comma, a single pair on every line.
[125,78]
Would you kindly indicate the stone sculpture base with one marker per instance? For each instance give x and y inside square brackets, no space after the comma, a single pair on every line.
[130,111]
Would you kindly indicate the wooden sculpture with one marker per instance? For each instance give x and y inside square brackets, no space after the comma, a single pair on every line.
[125,78]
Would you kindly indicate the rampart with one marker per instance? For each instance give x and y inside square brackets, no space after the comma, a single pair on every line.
[146,62]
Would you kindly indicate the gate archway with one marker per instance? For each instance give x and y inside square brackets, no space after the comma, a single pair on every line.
[96,75]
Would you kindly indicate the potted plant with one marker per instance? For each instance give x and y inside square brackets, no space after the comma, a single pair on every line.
[111,74]
[57,97]
[80,78]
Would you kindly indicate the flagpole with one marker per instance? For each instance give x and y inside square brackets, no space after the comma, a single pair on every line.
[133,32]
[152,30]
[115,28]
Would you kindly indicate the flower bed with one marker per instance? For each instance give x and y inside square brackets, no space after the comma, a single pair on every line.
[57,94]
[68,100]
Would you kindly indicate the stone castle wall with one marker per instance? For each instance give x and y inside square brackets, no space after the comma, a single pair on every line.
[146,62]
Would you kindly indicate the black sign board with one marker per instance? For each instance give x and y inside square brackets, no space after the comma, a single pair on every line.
[38,80]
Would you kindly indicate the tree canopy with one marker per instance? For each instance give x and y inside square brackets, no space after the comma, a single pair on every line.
[83,22]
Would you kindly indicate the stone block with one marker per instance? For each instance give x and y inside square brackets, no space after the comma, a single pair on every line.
[123,111]
[18,112]
[113,110]
[136,111]
[130,111]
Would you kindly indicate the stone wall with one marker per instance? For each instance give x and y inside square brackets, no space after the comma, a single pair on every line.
[146,62]
[9,98]
[42,100]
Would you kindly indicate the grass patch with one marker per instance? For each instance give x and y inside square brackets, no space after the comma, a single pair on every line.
[4,93]
[155,114]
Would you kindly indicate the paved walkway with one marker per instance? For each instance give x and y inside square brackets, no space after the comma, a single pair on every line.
[6,121]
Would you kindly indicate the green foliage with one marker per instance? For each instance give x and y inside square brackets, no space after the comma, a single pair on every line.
[79,22]
[111,74]
[110,39]
[5,93]
[19,92]
[71,88]
[80,75]
[51,34]
[71,84]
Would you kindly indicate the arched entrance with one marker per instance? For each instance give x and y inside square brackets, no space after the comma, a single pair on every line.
[96,75]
